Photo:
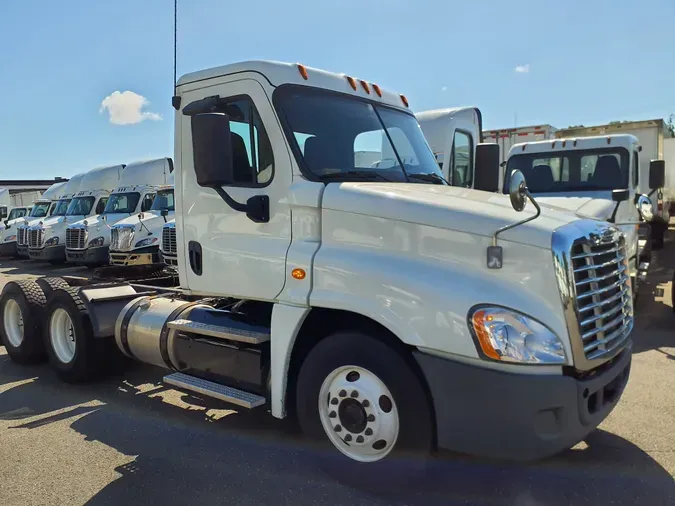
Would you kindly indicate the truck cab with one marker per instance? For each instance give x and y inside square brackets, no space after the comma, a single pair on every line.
[135,240]
[17,241]
[362,299]
[580,175]
[8,230]
[48,238]
[88,240]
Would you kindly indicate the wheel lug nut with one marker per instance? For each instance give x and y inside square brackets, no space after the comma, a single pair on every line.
[355,394]
[348,437]
[337,428]
[365,403]
[332,414]
[368,432]
[334,401]
[343,393]
[371,418]
[359,439]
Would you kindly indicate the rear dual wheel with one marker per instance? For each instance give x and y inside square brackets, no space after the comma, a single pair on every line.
[22,306]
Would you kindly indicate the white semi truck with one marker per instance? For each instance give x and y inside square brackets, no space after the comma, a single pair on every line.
[581,174]
[47,239]
[58,205]
[88,240]
[135,240]
[388,311]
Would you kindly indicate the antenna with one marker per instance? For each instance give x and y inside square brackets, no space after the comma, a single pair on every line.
[175,100]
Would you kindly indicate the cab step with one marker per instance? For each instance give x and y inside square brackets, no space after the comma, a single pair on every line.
[231,333]
[215,390]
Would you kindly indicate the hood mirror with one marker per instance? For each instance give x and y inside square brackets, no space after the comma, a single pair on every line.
[518,190]
[519,195]
[620,195]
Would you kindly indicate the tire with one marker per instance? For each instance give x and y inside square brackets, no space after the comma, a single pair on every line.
[49,284]
[26,303]
[67,322]
[353,350]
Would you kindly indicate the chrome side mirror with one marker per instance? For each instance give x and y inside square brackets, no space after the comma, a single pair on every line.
[645,207]
[518,190]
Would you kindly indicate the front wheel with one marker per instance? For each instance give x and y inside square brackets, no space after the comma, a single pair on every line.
[361,397]
[21,313]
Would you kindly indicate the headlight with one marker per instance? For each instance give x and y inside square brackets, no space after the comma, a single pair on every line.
[146,242]
[52,241]
[10,238]
[509,336]
[96,242]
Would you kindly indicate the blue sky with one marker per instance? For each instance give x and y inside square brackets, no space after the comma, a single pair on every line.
[587,62]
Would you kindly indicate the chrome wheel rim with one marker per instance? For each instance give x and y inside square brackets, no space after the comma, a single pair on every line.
[358,414]
[13,319]
[62,335]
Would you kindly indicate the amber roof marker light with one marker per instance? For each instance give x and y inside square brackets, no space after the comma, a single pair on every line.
[303,71]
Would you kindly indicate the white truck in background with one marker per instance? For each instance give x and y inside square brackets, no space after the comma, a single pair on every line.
[582,175]
[651,135]
[362,300]
[135,240]
[506,138]
[46,240]
[88,240]
[669,183]
[44,207]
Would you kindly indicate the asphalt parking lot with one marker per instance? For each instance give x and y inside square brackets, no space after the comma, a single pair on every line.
[132,440]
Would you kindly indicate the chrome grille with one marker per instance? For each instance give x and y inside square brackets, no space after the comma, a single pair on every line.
[169,240]
[602,294]
[121,238]
[36,237]
[76,238]
[22,236]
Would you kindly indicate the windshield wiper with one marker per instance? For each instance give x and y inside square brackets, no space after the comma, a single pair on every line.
[357,174]
[431,178]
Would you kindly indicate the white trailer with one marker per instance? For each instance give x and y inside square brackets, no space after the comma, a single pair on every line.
[391,313]
[506,138]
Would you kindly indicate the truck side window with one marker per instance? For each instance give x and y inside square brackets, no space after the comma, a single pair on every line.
[636,169]
[251,148]
[147,202]
[101,205]
[461,160]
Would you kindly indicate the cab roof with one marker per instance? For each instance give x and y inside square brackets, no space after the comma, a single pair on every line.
[278,73]
[575,144]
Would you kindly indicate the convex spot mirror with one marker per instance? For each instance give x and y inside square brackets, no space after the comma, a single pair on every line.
[212,149]
[517,190]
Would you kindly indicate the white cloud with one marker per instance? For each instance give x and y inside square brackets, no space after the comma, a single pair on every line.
[126,108]
[522,69]
[444,88]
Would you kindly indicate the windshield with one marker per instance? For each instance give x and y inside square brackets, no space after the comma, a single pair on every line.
[17,212]
[583,170]
[40,209]
[163,200]
[122,203]
[61,207]
[339,137]
[80,206]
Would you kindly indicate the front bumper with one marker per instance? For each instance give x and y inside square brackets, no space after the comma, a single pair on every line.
[89,256]
[8,249]
[168,259]
[518,416]
[141,256]
[50,254]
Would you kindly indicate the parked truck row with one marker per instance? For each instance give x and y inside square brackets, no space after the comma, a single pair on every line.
[389,311]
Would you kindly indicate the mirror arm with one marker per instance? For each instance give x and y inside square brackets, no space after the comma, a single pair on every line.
[616,209]
[521,222]
[259,215]
[229,200]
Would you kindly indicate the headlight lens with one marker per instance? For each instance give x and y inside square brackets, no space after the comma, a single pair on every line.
[509,336]
[10,238]
[96,242]
[146,242]
[52,241]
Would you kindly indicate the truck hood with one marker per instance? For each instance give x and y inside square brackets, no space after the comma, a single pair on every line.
[12,224]
[447,207]
[60,221]
[597,204]
[95,221]
[151,219]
